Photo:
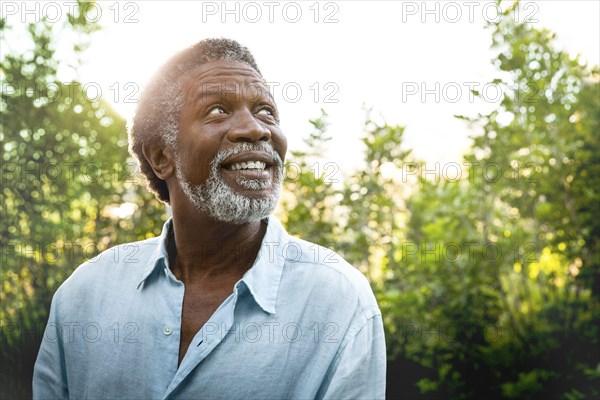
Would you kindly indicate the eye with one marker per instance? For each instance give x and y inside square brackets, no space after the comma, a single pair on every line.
[266,110]
[216,110]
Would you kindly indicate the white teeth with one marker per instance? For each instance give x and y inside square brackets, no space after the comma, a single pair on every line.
[249,165]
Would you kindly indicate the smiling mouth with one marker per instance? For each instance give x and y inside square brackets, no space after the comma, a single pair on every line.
[256,161]
[247,166]
[253,173]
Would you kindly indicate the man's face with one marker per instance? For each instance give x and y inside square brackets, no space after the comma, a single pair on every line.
[230,149]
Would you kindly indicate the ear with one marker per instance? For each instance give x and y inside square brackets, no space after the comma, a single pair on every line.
[161,159]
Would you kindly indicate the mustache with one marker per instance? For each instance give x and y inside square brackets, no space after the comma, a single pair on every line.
[222,155]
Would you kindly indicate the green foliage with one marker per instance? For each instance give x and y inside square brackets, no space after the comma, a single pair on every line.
[358,216]
[550,146]
[522,318]
[65,173]
[308,189]
[373,201]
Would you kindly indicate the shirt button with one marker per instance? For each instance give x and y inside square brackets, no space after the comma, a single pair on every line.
[167,330]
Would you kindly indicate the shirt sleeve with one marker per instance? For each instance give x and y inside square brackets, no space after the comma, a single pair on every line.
[359,369]
[49,373]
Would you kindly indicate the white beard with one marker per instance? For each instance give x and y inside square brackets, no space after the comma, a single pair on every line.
[218,200]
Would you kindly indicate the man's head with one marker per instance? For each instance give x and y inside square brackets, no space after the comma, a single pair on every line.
[201,121]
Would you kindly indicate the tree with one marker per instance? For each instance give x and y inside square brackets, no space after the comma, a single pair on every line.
[497,292]
[308,195]
[67,183]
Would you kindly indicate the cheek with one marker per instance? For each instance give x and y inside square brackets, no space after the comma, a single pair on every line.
[280,144]
[200,145]
[195,161]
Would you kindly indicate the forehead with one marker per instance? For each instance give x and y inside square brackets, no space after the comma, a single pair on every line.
[221,76]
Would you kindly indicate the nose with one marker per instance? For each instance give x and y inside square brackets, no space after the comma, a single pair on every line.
[247,128]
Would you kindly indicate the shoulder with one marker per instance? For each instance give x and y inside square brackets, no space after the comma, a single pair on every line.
[331,273]
[117,267]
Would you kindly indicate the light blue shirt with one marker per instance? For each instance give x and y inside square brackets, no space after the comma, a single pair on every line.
[302,323]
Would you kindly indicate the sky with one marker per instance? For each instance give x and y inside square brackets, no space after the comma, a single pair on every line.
[412,62]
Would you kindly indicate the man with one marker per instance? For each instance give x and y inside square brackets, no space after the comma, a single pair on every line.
[224,304]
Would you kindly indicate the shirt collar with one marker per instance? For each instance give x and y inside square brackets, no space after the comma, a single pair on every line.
[262,279]
[160,257]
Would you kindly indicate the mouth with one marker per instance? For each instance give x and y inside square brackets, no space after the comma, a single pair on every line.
[248,169]
[247,165]
[249,161]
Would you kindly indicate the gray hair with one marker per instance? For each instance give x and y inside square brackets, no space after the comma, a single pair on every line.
[156,119]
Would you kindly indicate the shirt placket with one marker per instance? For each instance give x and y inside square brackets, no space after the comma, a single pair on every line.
[208,337]
[170,328]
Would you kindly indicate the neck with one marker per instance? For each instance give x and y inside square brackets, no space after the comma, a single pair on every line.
[205,249]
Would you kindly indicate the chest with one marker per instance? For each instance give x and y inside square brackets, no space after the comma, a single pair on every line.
[198,306]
